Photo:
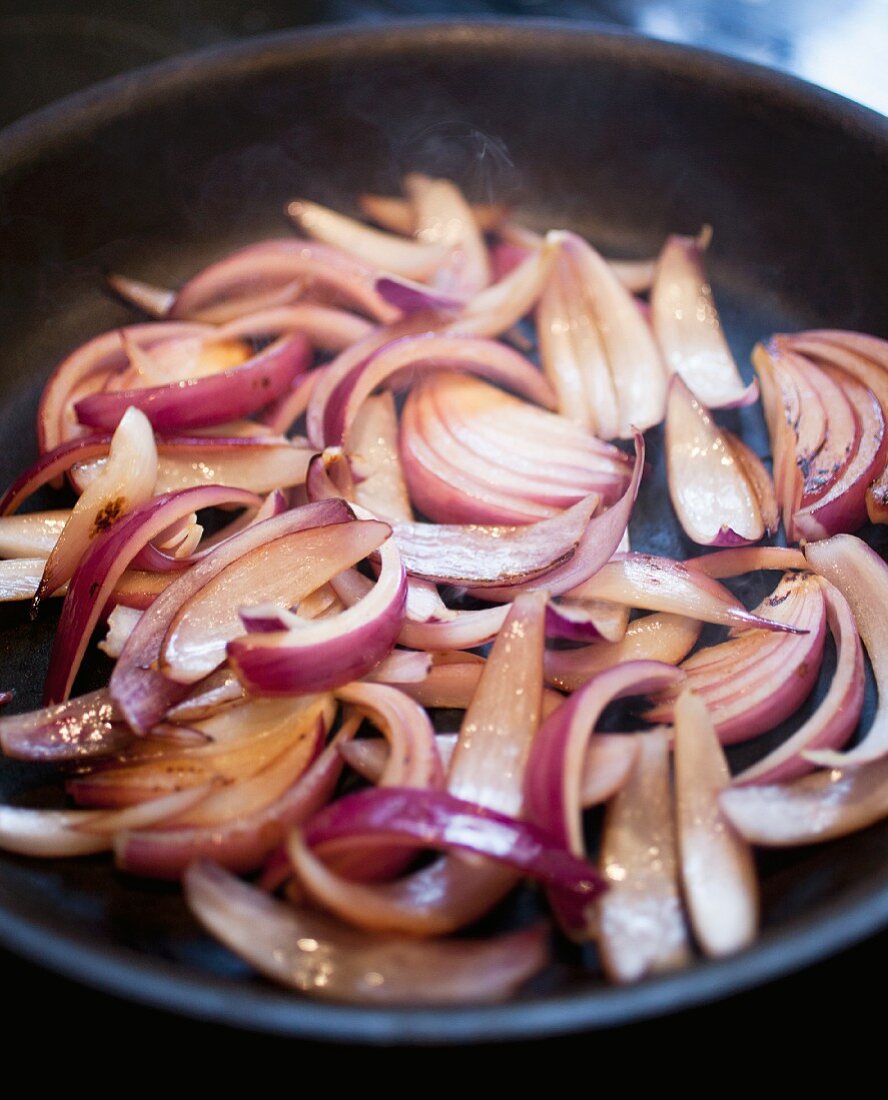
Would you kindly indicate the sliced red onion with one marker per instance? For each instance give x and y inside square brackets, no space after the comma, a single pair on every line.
[497,308]
[282,570]
[444,217]
[92,360]
[214,399]
[416,259]
[609,760]
[32,535]
[233,745]
[156,301]
[413,759]
[438,820]
[552,784]
[327,653]
[259,465]
[760,481]
[176,361]
[865,358]
[810,810]
[633,358]
[270,265]
[600,540]
[102,566]
[241,844]
[49,466]
[56,834]
[862,578]
[399,215]
[756,679]
[20,579]
[573,354]
[411,297]
[660,584]
[712,497]
[473,454]
[316,955]
[717,868]
[641,927]
[142,693]
[324,327]
[402,666]
[470,555]
[432,351]
[379,481]
[501,722]
[665,638]
[127,480]
[843,506]
[80,729]
[747,559]
[688,328]
[836,718]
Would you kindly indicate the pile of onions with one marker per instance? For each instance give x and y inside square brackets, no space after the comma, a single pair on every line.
[326,498]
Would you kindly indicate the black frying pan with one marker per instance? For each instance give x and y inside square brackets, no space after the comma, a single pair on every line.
[626,140]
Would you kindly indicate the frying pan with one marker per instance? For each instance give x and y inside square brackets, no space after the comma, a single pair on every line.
[626,140]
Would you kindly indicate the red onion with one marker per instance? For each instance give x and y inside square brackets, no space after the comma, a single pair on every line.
[282,570]
[836,718]
[200,402]
[316,955]
[862,578]
[327,653]
[640,927]
[664,638]
[712,497]
[141,692]
[413,258]
[717,868]
[688,328]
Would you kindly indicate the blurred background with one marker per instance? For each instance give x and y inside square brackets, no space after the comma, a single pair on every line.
[49,48]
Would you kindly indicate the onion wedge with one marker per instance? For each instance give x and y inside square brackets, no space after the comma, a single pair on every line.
[717,869]
[688,328]
[712,497]
[318,956]
[641,929]
[127,480]
[281,571]
[862,578]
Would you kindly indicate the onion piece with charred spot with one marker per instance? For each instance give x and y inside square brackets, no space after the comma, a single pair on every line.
[127,480]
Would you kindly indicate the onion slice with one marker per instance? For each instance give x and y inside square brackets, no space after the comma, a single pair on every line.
[862,578]
[127,480]
[641,928]
[318,956]
[282,571]
[202,402]
[713,499]
[688,328]
[810,810]
[836,718]
[717,868]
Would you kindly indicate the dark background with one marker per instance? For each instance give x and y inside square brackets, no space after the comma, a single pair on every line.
[50,48]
